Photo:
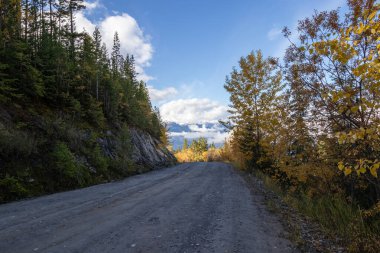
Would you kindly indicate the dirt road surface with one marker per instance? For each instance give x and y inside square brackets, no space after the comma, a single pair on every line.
[197,207]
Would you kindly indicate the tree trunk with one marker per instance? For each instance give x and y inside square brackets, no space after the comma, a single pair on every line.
[26,20]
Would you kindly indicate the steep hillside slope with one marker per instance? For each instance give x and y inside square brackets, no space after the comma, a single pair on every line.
[42,151]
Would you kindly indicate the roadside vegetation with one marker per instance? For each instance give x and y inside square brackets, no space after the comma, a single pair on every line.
[200,151]
[309,123]
[66,102]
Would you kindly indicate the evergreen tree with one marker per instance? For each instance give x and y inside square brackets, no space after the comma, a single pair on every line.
[116,57]
[70,7]
[185,144]
[98,55]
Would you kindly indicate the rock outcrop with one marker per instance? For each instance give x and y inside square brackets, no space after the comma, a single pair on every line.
[145,151]
[149,152]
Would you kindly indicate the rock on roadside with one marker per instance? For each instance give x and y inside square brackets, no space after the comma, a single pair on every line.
[149,152]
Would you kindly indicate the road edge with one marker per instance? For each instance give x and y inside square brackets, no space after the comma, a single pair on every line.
[307,235]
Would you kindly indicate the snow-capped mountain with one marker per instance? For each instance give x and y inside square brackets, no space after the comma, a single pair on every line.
[214,132]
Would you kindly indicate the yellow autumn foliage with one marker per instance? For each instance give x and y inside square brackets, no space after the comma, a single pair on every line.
[188,155]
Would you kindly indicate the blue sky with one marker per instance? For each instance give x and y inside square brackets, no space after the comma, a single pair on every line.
[185,48]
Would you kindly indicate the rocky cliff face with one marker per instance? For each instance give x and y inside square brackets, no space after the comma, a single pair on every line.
[145,151]
[149,152]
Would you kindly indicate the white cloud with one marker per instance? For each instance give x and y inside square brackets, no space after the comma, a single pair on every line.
[83,24]
[193,111]
[92,5]
[133,41]
[212,137]
[142,75]
[274,33]
[161,95]
[203,128]
[214,133]
[189,89]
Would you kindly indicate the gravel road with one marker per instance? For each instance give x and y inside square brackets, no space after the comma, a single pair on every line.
[197,207]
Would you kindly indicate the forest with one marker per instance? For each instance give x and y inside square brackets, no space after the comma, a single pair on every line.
[310,122]
[64,100]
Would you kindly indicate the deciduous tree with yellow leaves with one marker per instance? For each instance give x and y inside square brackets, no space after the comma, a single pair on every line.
[254,94]
[317,130]
[338,65]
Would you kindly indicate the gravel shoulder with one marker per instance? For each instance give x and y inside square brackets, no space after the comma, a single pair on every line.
[308,235]
[195,207]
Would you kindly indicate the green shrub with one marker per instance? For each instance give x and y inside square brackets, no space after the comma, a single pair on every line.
[122,165]
[16,143]
[11,189]
[70,173]
[64,129]
[99,161]
[94,113]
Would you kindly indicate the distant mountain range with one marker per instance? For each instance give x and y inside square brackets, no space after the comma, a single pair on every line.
[214,132]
